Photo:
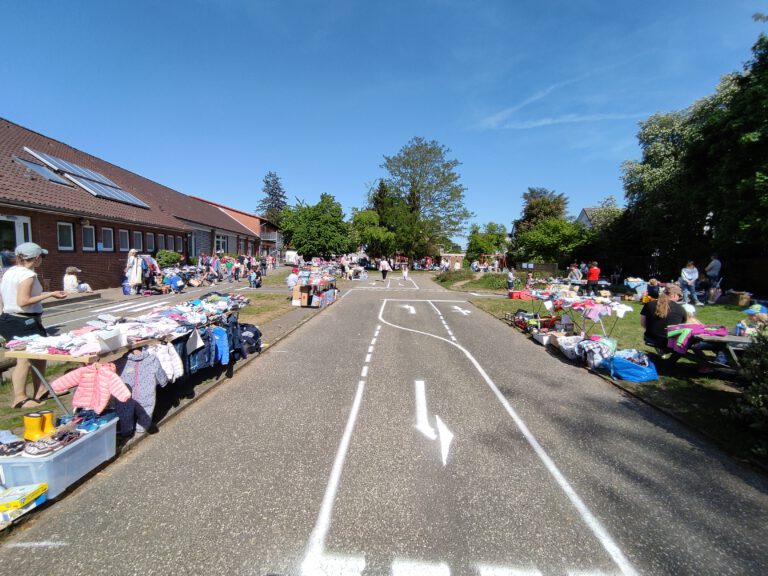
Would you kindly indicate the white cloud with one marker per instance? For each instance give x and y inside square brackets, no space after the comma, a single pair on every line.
[567,119]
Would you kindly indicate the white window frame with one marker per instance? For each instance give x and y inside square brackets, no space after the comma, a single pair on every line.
[160,241]
[111,247]
[59,226]
[138,241]
[179,244]
[222,243]
[124,238]
[150,242]
[169,243]
[85,247]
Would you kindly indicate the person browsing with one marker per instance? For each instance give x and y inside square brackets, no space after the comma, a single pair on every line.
[22,302]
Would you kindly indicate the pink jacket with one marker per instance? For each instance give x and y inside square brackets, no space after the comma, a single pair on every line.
[95,384]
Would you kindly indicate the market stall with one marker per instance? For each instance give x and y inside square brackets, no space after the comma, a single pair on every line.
[119,363]
[315,288]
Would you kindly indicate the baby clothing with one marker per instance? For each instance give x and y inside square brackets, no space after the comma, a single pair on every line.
[142,372]
[95,384]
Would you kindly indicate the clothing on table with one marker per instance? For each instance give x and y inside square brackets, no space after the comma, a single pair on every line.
[680,335]
[222,345]
[142,372]
[95,383]
[170,361]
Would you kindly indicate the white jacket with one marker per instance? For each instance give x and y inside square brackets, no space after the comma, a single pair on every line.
[169,360]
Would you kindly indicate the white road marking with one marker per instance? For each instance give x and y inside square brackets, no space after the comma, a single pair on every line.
[370,348]
[446,437]
[367,358]
[410,308]
[490,570]
[419,568]
[465,312]
[42,544]
[589,519]
[422,423]
[373,341]
[312,564]
[364,371]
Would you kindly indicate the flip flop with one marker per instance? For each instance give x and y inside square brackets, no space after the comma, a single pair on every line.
[43,397]
[21,403]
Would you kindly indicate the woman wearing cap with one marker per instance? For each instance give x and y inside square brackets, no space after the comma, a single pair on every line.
[71,284]
[22,299]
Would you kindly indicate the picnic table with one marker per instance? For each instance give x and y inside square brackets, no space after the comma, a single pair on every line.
[732,346]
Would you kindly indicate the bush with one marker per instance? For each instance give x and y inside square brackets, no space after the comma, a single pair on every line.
[753,405]
[493,282]
[166,258]
[451,277]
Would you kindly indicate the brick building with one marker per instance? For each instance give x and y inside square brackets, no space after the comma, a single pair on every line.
[88,213]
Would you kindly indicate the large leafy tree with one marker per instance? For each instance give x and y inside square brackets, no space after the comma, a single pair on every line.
[540,204]
[318,230]
[274,200]
[367,232]
[423,180]
[492,239]
[551,240]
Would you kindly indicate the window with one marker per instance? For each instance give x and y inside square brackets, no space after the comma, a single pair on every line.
[169,243]
[221,243]
[66,235]
[124,244]
[150,242]
[137,241]
[107,240]
[161,241]
[179,244]
[89,238]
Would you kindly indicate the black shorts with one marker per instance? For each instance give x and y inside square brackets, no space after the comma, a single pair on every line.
[16,325]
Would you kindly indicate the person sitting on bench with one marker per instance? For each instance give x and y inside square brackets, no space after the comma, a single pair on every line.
[656,315]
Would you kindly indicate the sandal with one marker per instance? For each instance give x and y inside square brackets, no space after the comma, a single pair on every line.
[22,403]
[43,397]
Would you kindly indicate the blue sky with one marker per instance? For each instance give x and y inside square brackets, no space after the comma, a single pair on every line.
[207,96]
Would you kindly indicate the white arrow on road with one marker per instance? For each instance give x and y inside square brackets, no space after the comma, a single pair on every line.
[410,308]
[444,435]
[465,312]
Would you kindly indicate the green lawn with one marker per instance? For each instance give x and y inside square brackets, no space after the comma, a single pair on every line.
[699,400]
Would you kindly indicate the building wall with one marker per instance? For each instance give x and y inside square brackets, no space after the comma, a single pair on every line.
[101,269]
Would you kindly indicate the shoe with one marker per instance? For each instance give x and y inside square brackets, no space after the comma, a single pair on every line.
[87,426]
[41,448]
[699,303]
[11,449]
[66,437]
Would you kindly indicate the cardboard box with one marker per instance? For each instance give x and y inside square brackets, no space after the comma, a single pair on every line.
[739,298]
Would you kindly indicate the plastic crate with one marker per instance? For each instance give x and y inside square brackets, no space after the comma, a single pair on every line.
[65,466]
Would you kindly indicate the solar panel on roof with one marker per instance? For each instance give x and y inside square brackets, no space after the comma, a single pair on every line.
[42,171]
[93,182]
[70,167]
[101,191]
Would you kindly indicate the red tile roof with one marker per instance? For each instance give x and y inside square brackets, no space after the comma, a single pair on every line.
[250,221]
[168,208]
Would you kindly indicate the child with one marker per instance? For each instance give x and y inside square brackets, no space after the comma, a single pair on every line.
[755,319]
[71,283]
[529,282]
[254,278]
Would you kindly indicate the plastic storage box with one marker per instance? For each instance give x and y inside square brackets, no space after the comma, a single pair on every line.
[65,466]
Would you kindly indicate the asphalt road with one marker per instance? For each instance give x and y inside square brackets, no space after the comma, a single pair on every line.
[402,431]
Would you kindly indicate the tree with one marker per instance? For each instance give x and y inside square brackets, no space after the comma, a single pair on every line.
[424,181]
[366,232]
[491,240]
[318,230]
[551,240]
[605,214]
[274,200]
[540,204]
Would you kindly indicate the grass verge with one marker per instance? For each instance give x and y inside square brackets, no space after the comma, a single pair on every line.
[701,401]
